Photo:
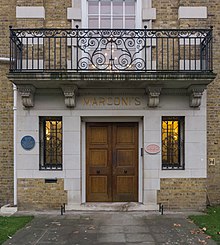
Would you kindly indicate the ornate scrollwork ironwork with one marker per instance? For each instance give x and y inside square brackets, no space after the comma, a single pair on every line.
[111,49]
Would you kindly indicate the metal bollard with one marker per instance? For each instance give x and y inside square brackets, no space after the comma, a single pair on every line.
[61,209]
[159,207]
[162,209]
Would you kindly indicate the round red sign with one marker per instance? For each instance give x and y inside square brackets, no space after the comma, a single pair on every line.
[152,149]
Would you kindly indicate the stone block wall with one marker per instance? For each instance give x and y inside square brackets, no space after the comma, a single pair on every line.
[35,194]
[183,193]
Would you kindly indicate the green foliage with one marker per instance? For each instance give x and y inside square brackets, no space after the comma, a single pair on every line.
[210,223]
[9,225]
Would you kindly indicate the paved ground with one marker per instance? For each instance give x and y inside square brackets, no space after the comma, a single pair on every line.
[116,228]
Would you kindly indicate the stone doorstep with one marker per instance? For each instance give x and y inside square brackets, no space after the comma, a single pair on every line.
[119,206]
[8,210]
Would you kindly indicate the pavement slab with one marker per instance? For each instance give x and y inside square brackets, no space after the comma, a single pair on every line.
[110,228]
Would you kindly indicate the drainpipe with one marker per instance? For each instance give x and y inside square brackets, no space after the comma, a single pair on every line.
[4,59]
[15,143]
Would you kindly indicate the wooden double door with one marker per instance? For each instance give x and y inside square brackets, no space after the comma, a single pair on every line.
[112,162]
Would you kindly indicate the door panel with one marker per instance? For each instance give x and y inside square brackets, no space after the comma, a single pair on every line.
[98,157]
[125,164]
[112,162]
[98,161]
[125,157]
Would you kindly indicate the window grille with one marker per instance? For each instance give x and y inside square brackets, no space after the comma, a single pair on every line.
[51,143]
[172,142]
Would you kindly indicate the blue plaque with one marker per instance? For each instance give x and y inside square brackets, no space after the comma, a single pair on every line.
[28,142]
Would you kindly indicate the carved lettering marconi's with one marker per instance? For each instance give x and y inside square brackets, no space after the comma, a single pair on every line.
[101,101]
[123,101]
[109,101]
[86,101]
[94,102]
[137,101]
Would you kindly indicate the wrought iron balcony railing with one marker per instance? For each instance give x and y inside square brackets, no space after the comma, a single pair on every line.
[144,50]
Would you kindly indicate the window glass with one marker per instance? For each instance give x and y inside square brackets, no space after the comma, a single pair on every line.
[118,8]
[118,22]
[105,22]
[94,21]
[172,142]
[129,8]
[105,7]
[93,7]
[50,143]
[111,14]
[129,23]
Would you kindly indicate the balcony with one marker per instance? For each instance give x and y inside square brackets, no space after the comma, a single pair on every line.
[111,58]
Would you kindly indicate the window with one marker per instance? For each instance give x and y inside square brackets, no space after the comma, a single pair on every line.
[106,50]
[50,143]
[172,142]
[111,14]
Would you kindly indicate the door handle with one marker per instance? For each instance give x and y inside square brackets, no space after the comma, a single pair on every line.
[125,171]
[98,171]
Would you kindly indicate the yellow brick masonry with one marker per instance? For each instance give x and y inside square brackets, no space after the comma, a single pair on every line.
[7,17]
[213,112]
[6,137]
[35,194]
[213,100]
[183,193]
[167,17]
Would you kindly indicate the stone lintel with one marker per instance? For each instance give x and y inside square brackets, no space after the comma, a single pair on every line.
[74,14]
[69,92]
[149,13]
[30,12]
[27,95]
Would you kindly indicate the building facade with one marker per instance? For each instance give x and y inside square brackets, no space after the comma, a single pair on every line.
[114,102]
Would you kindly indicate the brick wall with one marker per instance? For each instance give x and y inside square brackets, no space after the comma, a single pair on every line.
[167,17]
[182,193]
[167,13]
[213,112]
[30,2]
[7,17]
[56,13]
[213,98]
[6,137]
[35,194]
